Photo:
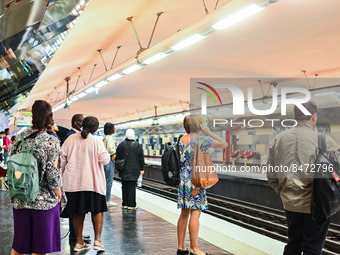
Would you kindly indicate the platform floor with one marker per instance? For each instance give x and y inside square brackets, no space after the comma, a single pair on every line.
[125,233]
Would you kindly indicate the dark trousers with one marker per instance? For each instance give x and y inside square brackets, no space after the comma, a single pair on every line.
[305,235]
[129,193]
[71,226]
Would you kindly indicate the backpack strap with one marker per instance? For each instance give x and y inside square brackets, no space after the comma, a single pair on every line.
[31,150]
[177,145]
[41,140]
[23,148]
[322,142]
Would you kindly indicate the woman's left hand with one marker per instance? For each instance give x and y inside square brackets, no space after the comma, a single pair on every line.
[142,172]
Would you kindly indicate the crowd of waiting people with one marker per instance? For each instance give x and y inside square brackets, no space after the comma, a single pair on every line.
[77,172]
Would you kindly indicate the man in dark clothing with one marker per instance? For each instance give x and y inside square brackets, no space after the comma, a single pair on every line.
[77,123]
[132,152]
[296,149]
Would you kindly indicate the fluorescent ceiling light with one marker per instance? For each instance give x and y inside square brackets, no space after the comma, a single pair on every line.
[114,77]
[91,89]
[132,69]
[58,107]
[82,94]
[237,17]
[155,58]
[101,84]
[74,98]
[187,42]
[326,93]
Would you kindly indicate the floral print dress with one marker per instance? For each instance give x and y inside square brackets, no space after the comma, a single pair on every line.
[184,198]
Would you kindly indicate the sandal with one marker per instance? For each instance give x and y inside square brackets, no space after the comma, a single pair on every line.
[98,246]
[81,247]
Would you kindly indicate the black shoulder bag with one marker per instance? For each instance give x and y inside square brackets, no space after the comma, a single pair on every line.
[326,183]
[119,163]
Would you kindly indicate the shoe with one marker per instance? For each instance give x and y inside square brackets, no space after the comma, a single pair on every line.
[80,247]
[182,252]
[87,239]
[98,246]
[191,253]
[111,204]
[133,208]
[124,207]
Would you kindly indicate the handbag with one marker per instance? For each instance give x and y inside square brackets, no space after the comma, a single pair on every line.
[119,164]
[326,182]
[203,171]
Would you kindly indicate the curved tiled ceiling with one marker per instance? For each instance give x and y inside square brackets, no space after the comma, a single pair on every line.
[279,42]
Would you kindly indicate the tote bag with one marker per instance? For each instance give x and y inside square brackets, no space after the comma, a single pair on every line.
[203,170]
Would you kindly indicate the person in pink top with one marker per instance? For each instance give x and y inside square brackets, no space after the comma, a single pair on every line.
[7,142]
[82,158]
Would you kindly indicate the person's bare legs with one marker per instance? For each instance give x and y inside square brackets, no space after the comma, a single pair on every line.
[194,225]
[98,222]
[78,222]
[182,225]
[14,252]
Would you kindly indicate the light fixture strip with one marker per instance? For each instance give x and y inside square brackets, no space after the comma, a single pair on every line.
[101,84]
[132,69]
[237,17]
[155,58]
[91,89]
[114,77]
[82,94]
[187,42]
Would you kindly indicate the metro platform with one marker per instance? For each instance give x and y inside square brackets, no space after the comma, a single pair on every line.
[151,229]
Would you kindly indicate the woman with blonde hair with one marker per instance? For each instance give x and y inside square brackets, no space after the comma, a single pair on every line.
[191,207]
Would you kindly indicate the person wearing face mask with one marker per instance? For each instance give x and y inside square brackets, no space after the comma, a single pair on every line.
[77,124]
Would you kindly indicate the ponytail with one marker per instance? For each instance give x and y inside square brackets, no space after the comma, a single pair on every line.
[90,125]
[84,133]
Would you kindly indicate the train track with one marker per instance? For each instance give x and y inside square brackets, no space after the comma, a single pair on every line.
[261,219]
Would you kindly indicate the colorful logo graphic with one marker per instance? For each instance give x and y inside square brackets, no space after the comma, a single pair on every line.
[209,93]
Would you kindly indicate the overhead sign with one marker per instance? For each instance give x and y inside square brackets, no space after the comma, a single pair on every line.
[24,121]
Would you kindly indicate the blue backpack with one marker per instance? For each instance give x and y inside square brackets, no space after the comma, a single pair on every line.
[23,173]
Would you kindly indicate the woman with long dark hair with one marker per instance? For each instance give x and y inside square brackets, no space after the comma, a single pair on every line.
[37,223]
[82,160]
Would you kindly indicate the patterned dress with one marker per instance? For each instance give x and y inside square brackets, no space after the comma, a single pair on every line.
[184,198]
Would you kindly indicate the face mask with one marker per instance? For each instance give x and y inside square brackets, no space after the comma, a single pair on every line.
[80,128]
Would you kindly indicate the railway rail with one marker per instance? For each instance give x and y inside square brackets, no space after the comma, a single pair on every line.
[261,219]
